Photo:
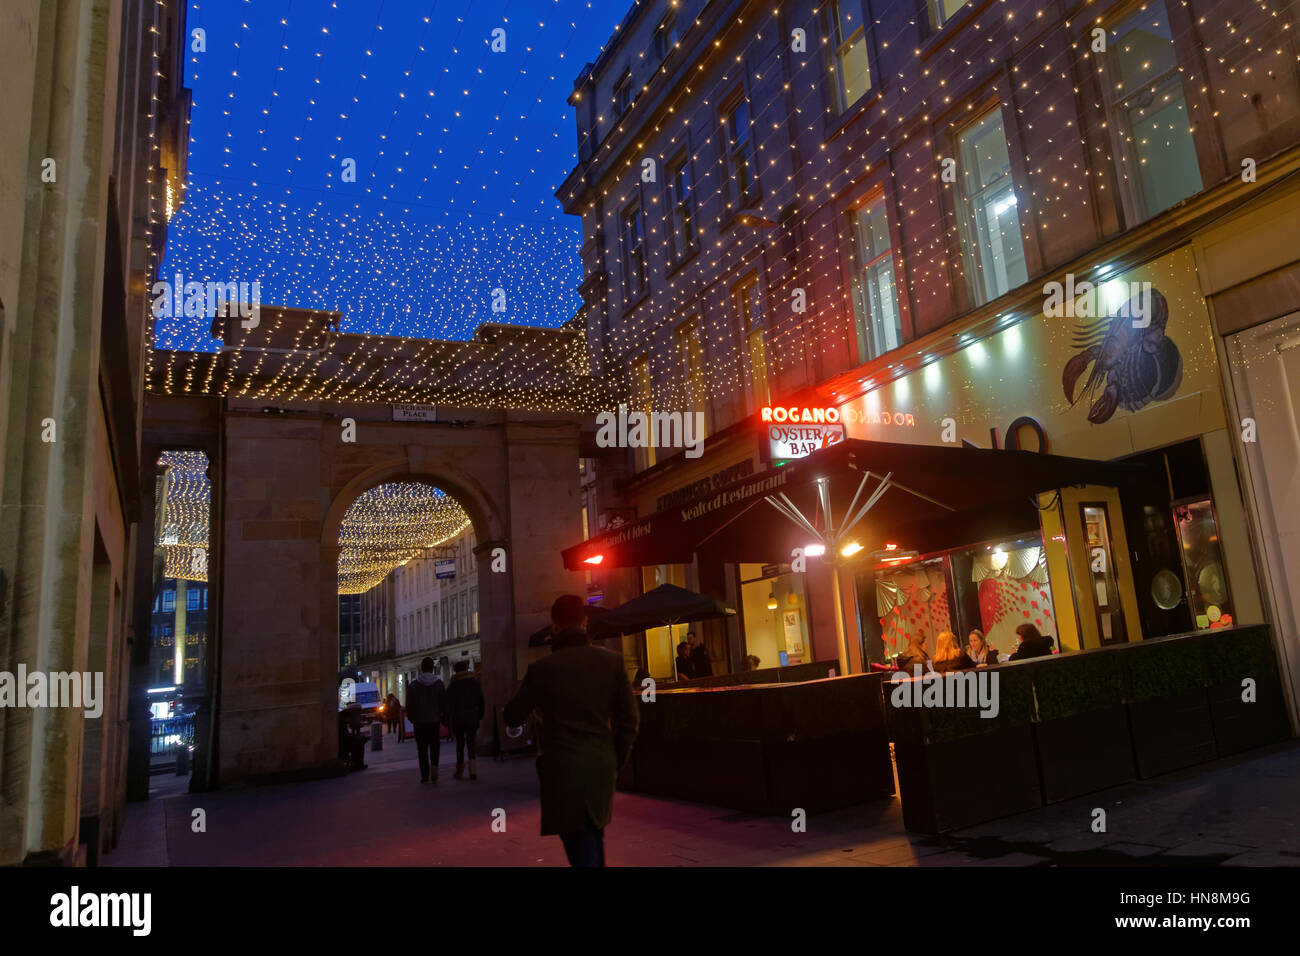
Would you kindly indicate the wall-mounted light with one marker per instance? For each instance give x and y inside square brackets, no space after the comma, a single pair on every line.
[850,549]
[814,550]
[594,559]
[771,601]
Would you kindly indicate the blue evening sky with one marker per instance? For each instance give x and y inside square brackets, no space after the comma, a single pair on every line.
[458,151]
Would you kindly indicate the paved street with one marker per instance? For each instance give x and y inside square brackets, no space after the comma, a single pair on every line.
[1233,812]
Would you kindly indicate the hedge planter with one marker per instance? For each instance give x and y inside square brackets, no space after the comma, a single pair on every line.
[1169,710]
[1082,734]
[1232,657]
[956,768]
[768,748]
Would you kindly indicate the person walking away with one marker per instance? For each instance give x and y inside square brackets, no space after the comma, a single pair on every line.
[948,655]
[685,667]
[426,706]
[465,708]
[589,722]
[390,714]
[701,663]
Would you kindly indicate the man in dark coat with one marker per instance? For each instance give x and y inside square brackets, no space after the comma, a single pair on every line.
[465,709]
[589,721]
[426,707]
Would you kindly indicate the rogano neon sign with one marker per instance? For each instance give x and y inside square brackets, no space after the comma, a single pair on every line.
[799,416]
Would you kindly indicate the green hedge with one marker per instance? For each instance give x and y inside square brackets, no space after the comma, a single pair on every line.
[1233,654]
[938,724]
[1165,668]
[1072,685]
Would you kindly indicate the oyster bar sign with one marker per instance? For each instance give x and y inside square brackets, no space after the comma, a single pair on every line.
[798,432]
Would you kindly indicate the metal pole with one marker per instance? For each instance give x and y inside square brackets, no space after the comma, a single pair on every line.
[837,600]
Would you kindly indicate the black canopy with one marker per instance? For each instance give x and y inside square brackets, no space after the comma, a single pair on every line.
[665,605]
[935,497]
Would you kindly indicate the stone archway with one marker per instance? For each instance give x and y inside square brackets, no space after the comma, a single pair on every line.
[287,480]
[495,599]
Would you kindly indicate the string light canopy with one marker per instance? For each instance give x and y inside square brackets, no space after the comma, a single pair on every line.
[391,524]
[183,508]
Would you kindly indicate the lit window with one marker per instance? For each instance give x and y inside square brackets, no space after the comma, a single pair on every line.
[994,251]
[169,600]
[643,401]
[1154,146]
[851,68]
[875,299]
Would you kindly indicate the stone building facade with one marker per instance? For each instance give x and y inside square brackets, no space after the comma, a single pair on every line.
[823,203]
[92,164]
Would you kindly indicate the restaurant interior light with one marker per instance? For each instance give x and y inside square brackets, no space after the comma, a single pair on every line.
[771,601]
[850,549]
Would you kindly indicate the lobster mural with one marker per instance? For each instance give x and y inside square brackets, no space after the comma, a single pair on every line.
[1133,363]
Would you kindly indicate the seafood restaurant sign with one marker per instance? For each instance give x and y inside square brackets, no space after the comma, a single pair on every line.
[1102,382]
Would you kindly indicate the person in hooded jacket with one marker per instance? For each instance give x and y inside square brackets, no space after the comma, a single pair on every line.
[465,709]
[426,707]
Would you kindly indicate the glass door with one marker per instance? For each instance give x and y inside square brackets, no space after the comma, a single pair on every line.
[1101,574]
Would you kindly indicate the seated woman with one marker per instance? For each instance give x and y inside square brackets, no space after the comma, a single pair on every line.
[1032,643]
[915,655]
[948,655]
[979,651]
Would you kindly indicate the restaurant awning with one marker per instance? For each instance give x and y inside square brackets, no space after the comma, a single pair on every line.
[876,492]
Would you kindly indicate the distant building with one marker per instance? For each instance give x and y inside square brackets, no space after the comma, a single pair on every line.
[180,620]
[427,607]
[349,630]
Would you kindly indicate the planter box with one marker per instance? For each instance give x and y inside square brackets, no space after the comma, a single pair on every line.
[1173,732]
[1168,708]
[1231,657]
[828,773]
[1082,733]
[726,773]
[956,768]
[1084,753]
[961,782]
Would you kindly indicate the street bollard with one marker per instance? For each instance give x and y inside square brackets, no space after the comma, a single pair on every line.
[376,737]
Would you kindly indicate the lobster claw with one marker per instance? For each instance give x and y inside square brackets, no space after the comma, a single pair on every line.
[1073,369]
[1105,406]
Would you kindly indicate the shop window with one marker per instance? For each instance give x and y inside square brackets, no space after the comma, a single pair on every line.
[912,601]
[1207,581]
[850,66]
[775,622]
[941,11]
[875,300]
[1148,115]
[993,249]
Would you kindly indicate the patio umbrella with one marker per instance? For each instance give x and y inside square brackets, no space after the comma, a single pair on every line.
[665,606]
